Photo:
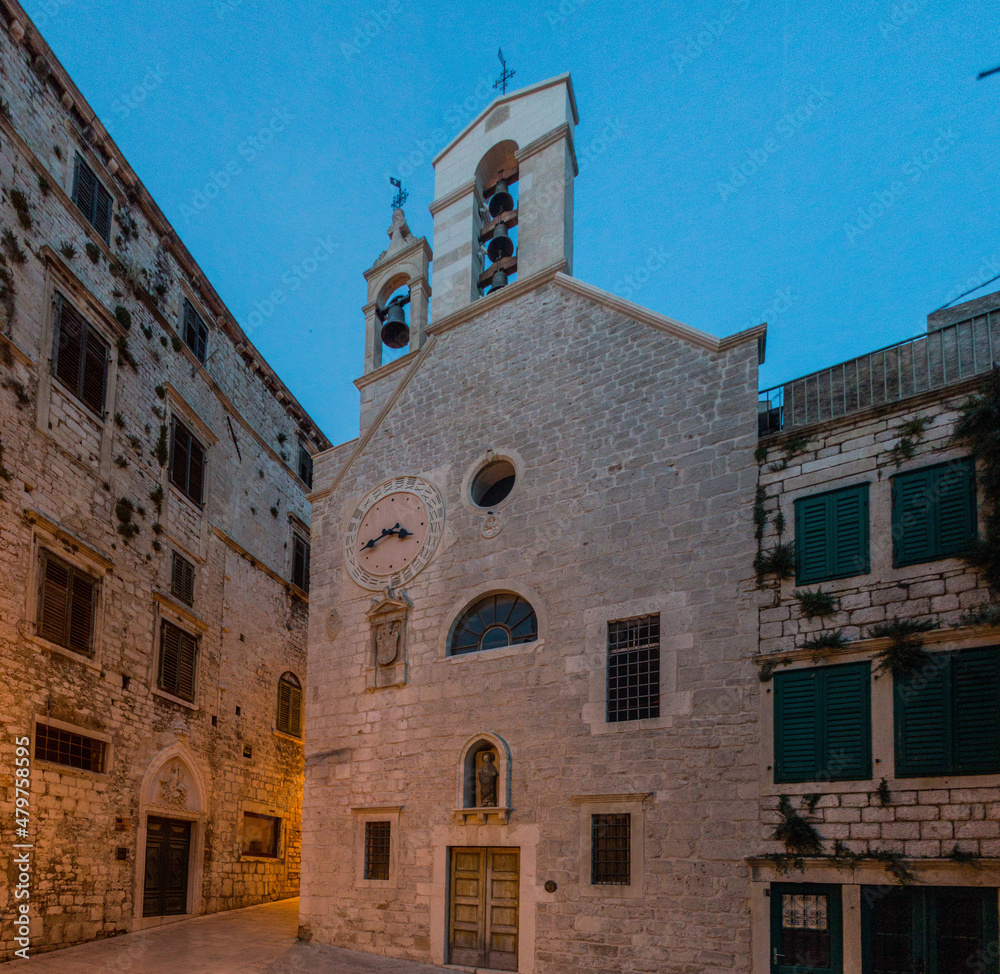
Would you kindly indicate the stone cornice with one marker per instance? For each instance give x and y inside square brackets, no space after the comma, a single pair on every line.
[383,370]
[387,259]
[550,138]
[182,611]
[55,529]
[628,796]
[257,563]
[454,196]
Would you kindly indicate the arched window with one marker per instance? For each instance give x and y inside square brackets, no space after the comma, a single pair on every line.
[501,619]
[290,705]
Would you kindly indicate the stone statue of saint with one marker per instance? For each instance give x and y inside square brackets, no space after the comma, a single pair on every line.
[488,775]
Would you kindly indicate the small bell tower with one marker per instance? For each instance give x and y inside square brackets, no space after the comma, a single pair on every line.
[397,279]
[484,237]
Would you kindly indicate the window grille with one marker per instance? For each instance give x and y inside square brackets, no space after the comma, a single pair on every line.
[634,668]
[610,837]
[377,837]
[65,747]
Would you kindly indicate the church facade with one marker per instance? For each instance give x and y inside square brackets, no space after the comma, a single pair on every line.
[532,730]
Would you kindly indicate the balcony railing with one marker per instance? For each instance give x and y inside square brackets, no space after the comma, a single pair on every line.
[930,361]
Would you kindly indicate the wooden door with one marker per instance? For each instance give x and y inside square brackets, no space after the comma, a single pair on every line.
[483,908]
[168,849]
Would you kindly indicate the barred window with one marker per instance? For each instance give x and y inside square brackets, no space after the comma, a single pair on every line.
[289,705]
[377,836]
[634,668]
[609,850]
[66,605]
[182,579]
[187,461]
[300,562]
[80,357]
[64,747]
[195,331]
[260,835]
[178,658]
[92,199]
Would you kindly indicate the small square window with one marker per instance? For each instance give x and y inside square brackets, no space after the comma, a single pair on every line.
[377,838]
[260,835]
[610,861]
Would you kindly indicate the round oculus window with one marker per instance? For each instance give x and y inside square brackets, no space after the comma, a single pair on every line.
[493,483]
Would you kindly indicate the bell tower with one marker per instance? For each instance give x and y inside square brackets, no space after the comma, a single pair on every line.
[399,277]
[522,143]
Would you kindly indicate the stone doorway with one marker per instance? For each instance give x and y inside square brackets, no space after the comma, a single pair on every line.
[168,852]
[483,908]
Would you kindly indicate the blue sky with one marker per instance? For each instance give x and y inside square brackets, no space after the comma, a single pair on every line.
[831,169]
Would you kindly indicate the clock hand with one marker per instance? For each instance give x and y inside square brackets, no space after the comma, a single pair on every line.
[394,530]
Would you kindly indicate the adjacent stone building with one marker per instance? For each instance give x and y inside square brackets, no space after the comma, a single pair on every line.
[154,542]
[532,724]
[880,664]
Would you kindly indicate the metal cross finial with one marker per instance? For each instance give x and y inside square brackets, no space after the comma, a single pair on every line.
[401,196]
[505,75]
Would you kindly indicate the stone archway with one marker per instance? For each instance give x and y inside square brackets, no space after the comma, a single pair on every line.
[172,799]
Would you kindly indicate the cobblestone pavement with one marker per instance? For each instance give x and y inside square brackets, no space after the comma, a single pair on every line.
[257,940]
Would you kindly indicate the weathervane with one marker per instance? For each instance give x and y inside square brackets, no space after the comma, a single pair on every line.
[505,75]
[401,196]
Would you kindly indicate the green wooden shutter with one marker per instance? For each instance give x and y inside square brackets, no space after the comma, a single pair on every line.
[849,514]
[955,491]
[831,535]
[796,726]
[923,720]
[846,729]
[912,534]
[975,688]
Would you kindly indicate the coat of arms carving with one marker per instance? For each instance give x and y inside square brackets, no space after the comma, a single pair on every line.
[387,620]
[387,641]
[173,790]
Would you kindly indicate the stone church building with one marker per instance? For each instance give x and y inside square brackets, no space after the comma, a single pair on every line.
[532,741]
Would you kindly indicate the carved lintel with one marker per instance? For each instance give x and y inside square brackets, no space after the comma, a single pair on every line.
[482,816]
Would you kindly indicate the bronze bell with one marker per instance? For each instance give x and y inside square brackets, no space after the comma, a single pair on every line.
[501,201]
[499,281]
[500,244]
[395,331]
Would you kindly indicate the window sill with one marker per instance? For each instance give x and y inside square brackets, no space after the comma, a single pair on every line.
[287,737]
[156,691]
[67,653]
[502,652]
[250,857]
[197,509]
[42,765]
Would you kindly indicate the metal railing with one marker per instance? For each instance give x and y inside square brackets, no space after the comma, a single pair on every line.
[930,361]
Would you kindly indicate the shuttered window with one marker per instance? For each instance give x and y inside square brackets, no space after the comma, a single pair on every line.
[822,724]
[300,562]
[178,658]
[187,461]
[305,465]
[80,356]
[933,512]
[195,331]
[182,579]
[948,715]
[289,705]
[66,605]
[831,535]
[92,199]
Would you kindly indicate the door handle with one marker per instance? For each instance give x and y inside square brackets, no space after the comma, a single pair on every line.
[775,954]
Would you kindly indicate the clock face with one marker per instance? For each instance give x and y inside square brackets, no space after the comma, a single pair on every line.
[394,532]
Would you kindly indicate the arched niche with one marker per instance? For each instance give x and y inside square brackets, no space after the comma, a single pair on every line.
[474,799]
[172,788]
[500,158]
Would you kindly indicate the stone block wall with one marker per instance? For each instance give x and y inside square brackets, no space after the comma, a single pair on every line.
[65,473]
